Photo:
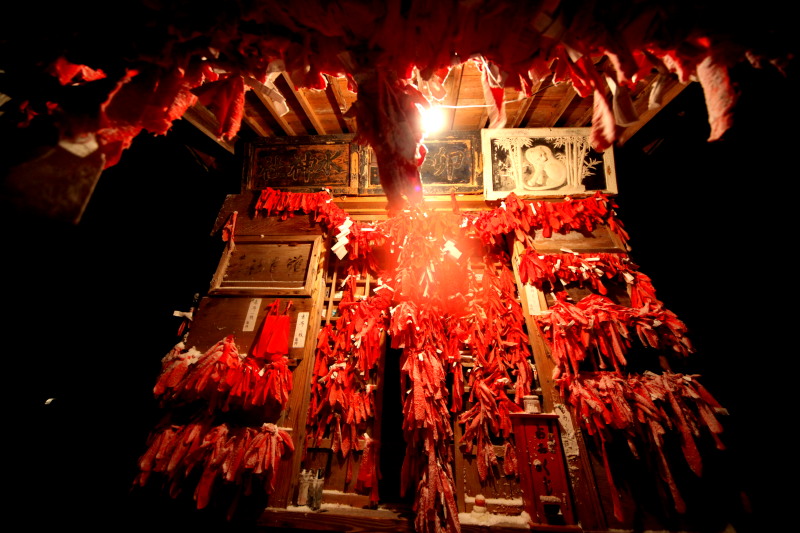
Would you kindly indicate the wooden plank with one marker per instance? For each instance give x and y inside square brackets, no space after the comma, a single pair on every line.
[253,117]
[562,106]
[453,88]
[220,316]
[548,106]
[602,239]
[268,266]
[282,121]
[341,103]
[339,519]
[305,105]
[647,114]
[296,413]
[248,223]
[355,520]
[521,111]
[204,120]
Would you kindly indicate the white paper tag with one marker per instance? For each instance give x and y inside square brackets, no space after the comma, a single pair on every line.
[534,306]
[252,315]
[451,249]
[300,330]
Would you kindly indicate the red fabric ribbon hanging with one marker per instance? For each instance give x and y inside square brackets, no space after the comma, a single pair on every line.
[272,341]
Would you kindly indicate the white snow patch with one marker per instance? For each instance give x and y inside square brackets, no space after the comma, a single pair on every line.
[521,520]
[496,501]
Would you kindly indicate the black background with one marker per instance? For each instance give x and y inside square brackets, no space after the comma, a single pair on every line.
[89,308]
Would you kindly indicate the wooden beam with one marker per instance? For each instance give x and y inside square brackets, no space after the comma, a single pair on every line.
[524,106]
[296,413]
[648,114]
[339,104]
[204,120]
[303,101]
[261,92]
[562,106]
[453,87]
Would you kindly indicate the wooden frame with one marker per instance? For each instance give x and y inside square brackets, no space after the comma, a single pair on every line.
[268,265]
[304,164]
[544,162]
[452,164]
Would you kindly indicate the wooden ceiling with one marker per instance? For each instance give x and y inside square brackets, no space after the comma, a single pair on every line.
[324,112]
[74,94]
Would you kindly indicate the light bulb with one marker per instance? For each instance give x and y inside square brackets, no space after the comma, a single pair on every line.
[432,119]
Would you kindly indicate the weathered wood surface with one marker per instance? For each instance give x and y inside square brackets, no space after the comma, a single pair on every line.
[219,316]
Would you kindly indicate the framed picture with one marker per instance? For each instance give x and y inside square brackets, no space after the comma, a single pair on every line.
[304,164]
[544,162]
[452,164]
[268,265]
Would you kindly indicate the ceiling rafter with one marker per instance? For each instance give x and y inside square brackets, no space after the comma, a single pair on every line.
[285,85]
[339,106]
[204,120]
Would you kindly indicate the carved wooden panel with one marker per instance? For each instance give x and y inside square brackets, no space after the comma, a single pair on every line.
[452,164]
[303,164]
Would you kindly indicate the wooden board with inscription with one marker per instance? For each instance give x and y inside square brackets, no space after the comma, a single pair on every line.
[281,265]
[303,164]
[452,164]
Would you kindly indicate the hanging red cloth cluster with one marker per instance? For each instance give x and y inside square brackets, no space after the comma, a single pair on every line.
[523,218]
[224,454]
[218,57]
[358,237]
[426,283]
[223,378]
[596,326]
[389,121]
[342,390]
[272,341]
[645,408]
[284,205]
[368,471]
[443,309]
[543,271]
[440,310]
[589,338]
[501,361]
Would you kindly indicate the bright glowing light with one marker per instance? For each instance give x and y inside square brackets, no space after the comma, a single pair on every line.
[432,119]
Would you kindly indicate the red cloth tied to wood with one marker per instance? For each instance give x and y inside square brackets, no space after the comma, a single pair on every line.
[272,341]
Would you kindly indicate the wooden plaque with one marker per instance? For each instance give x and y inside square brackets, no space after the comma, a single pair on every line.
[264,265]
[452,164]
[303,164]
[542,162]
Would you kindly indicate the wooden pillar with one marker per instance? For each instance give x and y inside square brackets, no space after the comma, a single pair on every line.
[296,412]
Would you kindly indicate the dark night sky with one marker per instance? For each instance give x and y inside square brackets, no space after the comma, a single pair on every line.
[90,312]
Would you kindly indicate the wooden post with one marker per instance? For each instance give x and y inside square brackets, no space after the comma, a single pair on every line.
[296,412]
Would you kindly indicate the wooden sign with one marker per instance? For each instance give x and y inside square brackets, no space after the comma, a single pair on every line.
[543,162]
[304,164]
[452,164]
[269,265]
